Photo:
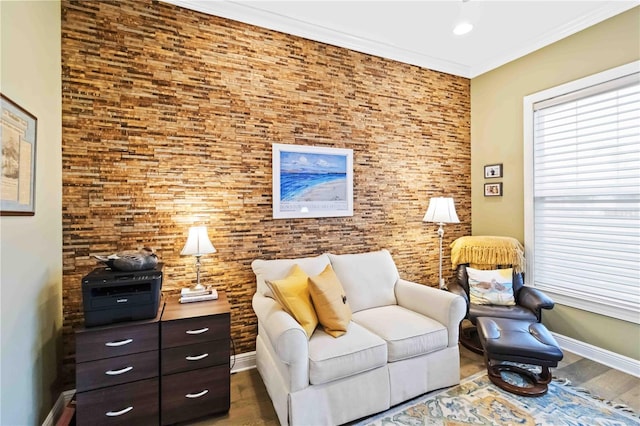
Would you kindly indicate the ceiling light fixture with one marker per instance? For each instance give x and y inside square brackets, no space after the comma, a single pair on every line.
[462,28]
[463,25]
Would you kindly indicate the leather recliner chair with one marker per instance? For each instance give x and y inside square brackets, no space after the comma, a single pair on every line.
[529,305]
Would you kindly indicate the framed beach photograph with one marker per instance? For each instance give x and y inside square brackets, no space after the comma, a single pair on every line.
[493,189]
[18,171]
[310,181]
[492,171]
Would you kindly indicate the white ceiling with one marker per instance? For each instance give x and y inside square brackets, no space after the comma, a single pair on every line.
[420,32]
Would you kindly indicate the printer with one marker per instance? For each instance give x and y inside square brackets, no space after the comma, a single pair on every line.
[110,296]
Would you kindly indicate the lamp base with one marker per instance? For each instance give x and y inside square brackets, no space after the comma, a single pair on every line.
[443,285]
[193,291]
[198,287]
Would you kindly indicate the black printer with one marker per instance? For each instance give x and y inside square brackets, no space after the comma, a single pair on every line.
[110,296]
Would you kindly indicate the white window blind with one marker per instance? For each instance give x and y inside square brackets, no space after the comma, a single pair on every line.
[586,197]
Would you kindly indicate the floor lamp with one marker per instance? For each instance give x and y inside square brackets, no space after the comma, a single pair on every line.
[441,210]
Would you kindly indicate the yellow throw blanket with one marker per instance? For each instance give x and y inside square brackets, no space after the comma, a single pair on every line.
[485,252]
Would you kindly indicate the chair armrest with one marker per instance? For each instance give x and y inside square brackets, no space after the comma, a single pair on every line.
[285,334]
[535,300]
[445,307]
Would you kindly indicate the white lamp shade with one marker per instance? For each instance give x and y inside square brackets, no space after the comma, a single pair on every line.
[198,242]
[441,210]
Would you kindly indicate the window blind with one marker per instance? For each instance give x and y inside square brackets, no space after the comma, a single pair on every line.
[586,196]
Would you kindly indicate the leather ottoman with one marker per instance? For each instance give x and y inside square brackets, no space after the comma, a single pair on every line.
[521,342]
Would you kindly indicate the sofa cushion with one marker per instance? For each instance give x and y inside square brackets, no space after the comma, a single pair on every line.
[279,268]
[357,351]
[367,278]
[292,293]
[406,332]
[330,302]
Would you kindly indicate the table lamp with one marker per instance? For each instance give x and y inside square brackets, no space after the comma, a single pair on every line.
[198,244]
[441,210]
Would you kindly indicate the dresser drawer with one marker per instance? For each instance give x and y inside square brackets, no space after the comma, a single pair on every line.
[190,357]
[92,344]
[129,404]
[115,371]
[195,330]
[195,393]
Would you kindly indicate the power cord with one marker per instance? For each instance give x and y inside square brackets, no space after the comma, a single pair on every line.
[233,344]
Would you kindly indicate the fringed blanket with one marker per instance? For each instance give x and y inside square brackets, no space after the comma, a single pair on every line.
[485,252]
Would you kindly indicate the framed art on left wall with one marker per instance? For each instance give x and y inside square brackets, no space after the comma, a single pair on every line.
[18,170]
[311,181]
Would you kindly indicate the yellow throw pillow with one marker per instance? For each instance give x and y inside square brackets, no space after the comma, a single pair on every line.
[330,301]
[292,293]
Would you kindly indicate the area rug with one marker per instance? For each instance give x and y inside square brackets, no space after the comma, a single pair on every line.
[477,401]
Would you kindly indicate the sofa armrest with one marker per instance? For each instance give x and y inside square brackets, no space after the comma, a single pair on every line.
[456,288]
[447,308]
[285,334]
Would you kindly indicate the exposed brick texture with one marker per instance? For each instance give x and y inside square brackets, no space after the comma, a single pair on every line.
[168,120]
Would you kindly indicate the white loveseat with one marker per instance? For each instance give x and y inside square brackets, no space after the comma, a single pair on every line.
[402,341]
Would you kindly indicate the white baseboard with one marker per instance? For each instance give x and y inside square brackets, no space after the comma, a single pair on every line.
[603,356]
[58,407]
[244,361]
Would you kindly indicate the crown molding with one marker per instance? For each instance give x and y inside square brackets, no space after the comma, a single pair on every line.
[238,11]
[243,12]
[603,13]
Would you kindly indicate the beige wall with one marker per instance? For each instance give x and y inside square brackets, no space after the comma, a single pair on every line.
[31,246]
[497,137]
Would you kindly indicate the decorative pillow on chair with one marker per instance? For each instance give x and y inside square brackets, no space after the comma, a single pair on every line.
[330,301]
[292,293]
[494,287]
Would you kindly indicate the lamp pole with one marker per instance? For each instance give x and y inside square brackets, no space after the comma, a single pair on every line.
[441,235]
[198,285]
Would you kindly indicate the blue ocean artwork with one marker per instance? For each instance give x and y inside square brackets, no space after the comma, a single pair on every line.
[312,177]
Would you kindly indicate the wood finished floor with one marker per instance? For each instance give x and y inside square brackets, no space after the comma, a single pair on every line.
[250,403]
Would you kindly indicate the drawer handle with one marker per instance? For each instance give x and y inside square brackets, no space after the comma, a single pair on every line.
[120,343]
[197,357]
[197,395]
[118,413]
[202,330]
[118,372]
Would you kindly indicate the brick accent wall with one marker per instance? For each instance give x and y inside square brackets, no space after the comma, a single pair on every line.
[168,120]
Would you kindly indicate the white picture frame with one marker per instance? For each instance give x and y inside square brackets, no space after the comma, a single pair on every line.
[312,181]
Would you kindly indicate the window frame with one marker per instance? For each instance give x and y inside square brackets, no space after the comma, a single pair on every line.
[562,297]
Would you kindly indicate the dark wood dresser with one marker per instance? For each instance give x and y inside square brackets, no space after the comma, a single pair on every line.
[169,369]
[194,354]
[117,373]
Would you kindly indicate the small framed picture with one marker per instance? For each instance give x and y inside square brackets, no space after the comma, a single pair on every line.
[493,171]
[493,189]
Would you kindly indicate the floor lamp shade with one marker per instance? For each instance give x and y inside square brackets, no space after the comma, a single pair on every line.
[441,210]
